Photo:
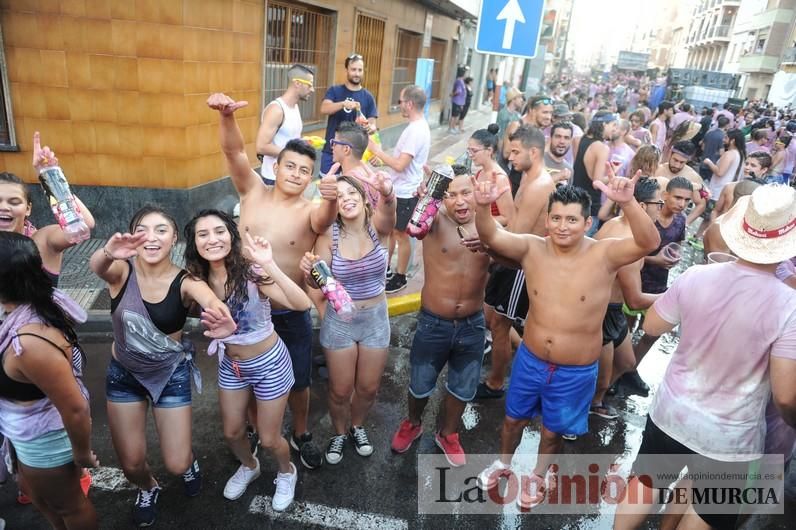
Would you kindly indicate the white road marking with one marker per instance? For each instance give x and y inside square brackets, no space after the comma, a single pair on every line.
[316,514]
[109,479]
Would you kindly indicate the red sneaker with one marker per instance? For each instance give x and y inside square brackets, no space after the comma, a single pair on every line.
[23,499]
[453,450]
[407,433]
[85,482]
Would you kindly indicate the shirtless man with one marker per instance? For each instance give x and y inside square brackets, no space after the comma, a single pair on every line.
[505,292]
[617,356]
[263,212]
[677,166]
[569,278]
[450,327]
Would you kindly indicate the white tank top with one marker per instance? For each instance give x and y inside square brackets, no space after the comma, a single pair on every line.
[289,130]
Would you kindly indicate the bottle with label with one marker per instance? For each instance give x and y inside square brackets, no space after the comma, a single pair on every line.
[63,204]
[427,207]
[333,290]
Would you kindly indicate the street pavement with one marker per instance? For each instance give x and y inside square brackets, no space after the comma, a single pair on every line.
[379,492]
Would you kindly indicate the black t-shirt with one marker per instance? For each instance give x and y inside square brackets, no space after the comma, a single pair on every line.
[581,178]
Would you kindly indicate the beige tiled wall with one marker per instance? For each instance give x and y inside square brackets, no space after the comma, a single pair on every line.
[117,87]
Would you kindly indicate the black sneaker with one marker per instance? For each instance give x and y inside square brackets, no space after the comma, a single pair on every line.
[389,274]
[484,392]
[254,440]
[145,508]
[361,442]
[612,390]
[192,480]
[396,283]
[635,384]
[334,451]
[310,455]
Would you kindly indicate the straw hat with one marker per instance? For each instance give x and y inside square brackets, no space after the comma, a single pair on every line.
[512,93]
[761,227]
[693,129]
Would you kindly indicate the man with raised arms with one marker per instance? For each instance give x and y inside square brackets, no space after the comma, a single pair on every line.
[263,212]
[450,327]
[569,279]
[505,291]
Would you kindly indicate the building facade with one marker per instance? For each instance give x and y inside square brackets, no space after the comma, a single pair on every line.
[710,32]
[118,88]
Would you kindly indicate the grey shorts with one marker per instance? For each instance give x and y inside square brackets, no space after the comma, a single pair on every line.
[370,328]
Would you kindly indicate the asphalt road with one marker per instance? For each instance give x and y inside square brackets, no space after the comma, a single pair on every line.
[377,492]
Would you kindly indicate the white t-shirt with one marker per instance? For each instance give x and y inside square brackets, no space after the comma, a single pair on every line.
[713,396]
[717,182]
[415,140]
[289,130]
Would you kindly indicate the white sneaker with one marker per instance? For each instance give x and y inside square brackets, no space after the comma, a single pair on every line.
[237,483]
[488,478]
[285,489]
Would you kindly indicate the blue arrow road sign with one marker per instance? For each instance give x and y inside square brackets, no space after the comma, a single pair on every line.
[509,27]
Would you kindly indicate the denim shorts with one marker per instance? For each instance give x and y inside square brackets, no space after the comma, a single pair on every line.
[122,387]
[295,330]
[459,343]
[370,328]
[47,451]
[560,393]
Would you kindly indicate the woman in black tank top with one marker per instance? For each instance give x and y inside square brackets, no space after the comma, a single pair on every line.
[152,284]
[38,372]
[15,207]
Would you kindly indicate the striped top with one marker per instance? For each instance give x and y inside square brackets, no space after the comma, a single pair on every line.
[363,278]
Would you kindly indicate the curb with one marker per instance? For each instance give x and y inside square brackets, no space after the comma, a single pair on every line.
[400,305]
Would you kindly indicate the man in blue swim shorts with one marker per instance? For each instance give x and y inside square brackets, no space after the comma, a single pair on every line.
[569,278]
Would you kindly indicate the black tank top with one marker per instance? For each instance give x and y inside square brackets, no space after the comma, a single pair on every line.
[169,314]
[16,390]
[581,178]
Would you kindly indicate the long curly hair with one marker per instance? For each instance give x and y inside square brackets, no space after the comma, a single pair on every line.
[646,159]
[239,269]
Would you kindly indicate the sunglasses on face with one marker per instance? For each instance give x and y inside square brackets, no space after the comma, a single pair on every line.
[335,142]
[658,203]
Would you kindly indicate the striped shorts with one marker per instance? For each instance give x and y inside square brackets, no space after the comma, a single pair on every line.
[269,374]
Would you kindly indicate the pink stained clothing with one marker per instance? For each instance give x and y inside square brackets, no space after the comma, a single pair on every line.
[755,148]
[679,118]
[730,116]
[713,396]
[790,157]
[660,136]
[623,153]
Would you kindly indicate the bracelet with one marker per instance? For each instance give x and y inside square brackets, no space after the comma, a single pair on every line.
[108,254]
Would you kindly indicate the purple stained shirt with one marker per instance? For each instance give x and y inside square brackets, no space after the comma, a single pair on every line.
[654,279]
[713,396]
[459,92]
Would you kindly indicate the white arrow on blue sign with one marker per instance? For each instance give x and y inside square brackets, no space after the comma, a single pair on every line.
[509,27]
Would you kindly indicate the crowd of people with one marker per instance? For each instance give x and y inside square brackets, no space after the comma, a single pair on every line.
[566,225]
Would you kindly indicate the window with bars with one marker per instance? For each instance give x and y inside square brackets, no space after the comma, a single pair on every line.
[370,45]
[407,51]
[7,137]
[438,54]
[298,34]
